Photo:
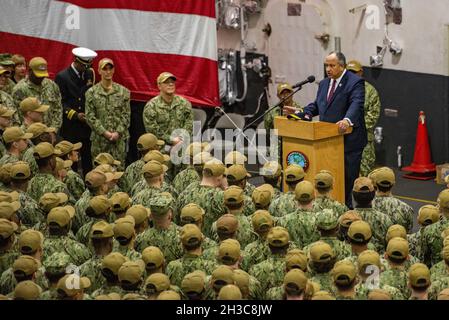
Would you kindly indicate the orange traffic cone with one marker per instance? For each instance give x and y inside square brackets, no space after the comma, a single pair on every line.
[422,167]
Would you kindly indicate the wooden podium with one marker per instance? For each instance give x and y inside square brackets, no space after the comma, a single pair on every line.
[315,146]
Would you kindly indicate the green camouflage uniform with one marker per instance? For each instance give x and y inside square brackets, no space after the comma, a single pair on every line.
[8,257]
[108,111]
[399,212]
[77,252]
[301,226]
[437,286]
[144,196]
[107,289]
[254,253]
[8,282]
[414,241]
[379,223]
[8,102]
[92,269]
[439,271]
[325,281]
[432,243]
[179,268]
[396,278]
[372,113]
[9,86]
[283,205]
[126,251]
[184,178]
[132,175]
[29,213]
[8,158]
[46,183]
[83,233]
[270,272]
[320,203]
[142,184]
[48,94]
[362,291]
[248,206]
[249,188]
[28,157]
[341,249]
[75,184]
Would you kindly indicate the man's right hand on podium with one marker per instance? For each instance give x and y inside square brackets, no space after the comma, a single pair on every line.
[289,110]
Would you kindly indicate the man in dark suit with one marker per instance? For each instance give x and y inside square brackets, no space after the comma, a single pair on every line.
[73,83]
[340,99]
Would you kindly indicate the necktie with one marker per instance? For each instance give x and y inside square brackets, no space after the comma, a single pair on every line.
[331,93]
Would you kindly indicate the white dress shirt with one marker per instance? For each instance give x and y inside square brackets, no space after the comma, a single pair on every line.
[336,87]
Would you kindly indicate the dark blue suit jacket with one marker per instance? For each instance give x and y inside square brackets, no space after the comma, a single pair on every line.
[348,102]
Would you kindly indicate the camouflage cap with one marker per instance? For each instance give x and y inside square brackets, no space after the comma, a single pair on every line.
[191,213]
[428,215]
[27,290]
[229,251]
[65,147]
[57,263]
[156,155]
[49,201]
[194,282]
[106,158]
[234,195]
[3,70]
[30,241]
[201,158]
[33,104]
[320,251]
[8,209]
[396,230]
[344,273]
[156,283]
[326,219]
[221,276]
[242,280]
[104,62]
[39,67]
[271,170]
[284,86]
[6,112]
[120,201]
[12,134]
[379,294]
[304,191]
[227,224]
[444,294]
[7,228]
[294,173]
[108,169]
[278,237]
[235,157]
[346,219]
[124,227]
[262,221]
[110,296]
[324,179]
[384,177]
[61,215]
[363,185]
[397,248]
[6,59]
[153,169]
[98,205]
[72,284]
[360,231]
[131,271]
[230,292]
[113,262]
[419,275]
[101,230]
[63,164]
[263,195]
[164,76]
[296,259]
[26,264]
[214,168]
[323,295]
[149,141]
[191,235]
[368,258]
[153,258]
[139,213]
[237,173]
[168,295]
[20,170]
[295,281]
[161,204]
[354,65]
[44,150]
[443,199]
[9,196]
[96,178]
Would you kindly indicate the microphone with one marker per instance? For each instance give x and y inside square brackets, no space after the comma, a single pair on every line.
[310,79]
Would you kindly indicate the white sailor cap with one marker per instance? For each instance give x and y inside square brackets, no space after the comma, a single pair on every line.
[84,55]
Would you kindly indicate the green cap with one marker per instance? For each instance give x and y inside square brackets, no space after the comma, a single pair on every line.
[161,204]
[104,62]
[294,173]
[326,219]
[354,65]
[284,86]
[39,67]
[57,263]
[6,112]
[6,59]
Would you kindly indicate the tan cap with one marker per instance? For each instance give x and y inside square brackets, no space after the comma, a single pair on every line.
[101,230]
[110,296]
[98,205]
[191,235]
[445,252]
[197,147]
[9,196]
[221,276]
[61,215]
[324,179]
[201,158]
[149,141]
[354,65]
[263,195]
[7,228]
[443,198]
[419,275]
[368,258]
[296,259]
[164,76]
[344,273]
[444,294]
[363,185]
[235,157]
[44,150]
[294,173]
[104,62]
[156,283]
[66,147]
[26,264]
[131,271]
[7,209]
[153,258]
[360,231]
[139,213]
[27,290]
[384,177]
[124,227]
[278,237]
[33,104]
[229,251]
[49,201]
[284,86]
[12,134]
[6,112]
[120,201]
[20,170]
[113,262]
[227,224]
[168,295]
[106,158]
[108,169]
[348,218]
[194,282]
[63,164]
[428,215]
[153,169]
[295,280]
[5,176]
[236,172]
[304,191]
[234,195]
[214,168]
[230,292]
[271,169]
[156,155]
[72,284]
[96,178]
[39,67]
[262,221]
[323,295]
[30,241]
[396,230]
[379,294]
[242,280]
[320,251]
[398,248]
[191,213]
